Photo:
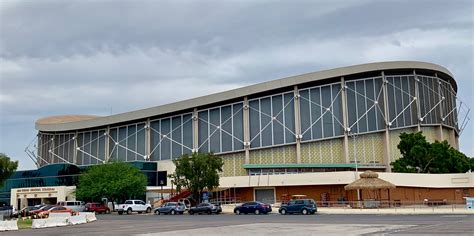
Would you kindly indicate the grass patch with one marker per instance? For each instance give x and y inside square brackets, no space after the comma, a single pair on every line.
[24,224]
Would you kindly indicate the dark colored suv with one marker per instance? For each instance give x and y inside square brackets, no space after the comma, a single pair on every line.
[303,206]
[253,207]
[207,208]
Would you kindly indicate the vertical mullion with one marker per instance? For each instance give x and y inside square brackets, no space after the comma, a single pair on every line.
[232,127]
[271,119]
[283,115]
[356,106]
[260,120]
[310,114]
[220,129]
[322,112]
[332,111]
[376,98]
[182,135]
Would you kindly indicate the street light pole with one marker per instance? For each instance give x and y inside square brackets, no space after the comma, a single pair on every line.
[356,165]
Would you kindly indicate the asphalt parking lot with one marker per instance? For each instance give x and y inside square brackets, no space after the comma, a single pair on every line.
[272,224]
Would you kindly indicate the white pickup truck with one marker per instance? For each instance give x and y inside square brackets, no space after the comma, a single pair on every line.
[133,206]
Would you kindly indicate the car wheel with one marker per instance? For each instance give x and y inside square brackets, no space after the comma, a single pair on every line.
[172,212]
[157,212]
[120,212]
[209,212]
[191,212]
[129,211]
[304,211]
[283,211]
[107,211]
[237,212]
[148,210]
[257,212]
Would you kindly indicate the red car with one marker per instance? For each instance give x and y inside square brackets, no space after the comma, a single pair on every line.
[97,208]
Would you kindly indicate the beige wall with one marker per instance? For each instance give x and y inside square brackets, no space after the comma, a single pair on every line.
[61,193]
[464,180]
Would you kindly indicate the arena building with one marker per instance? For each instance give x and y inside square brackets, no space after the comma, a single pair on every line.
[274,136]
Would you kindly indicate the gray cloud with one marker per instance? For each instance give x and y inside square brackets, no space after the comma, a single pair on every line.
[69,57]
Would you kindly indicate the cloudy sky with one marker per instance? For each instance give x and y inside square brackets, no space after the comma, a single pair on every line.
[108,57]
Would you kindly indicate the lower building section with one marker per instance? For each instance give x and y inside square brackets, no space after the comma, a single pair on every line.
[22,197]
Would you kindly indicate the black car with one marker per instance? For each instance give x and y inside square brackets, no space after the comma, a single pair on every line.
[207,208]
[303,206]
[253,207]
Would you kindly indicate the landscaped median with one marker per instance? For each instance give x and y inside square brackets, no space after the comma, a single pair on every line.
[54,220]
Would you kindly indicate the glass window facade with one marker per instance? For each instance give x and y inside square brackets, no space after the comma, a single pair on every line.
[171,137]
[321,112]
[365,105]
[272,120]
[401,101]
[221,129]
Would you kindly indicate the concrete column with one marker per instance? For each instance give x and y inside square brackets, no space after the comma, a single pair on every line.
[417,95]
[345,121]
[297,124]
[39,150]
[75,149]
[195,130]
[246,126]
[386,135]
[440,108]
[148,139]
[107,145]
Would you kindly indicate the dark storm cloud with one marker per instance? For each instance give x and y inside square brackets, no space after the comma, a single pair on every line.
[102,57]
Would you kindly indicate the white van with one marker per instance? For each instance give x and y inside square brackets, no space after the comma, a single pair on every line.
[74,205]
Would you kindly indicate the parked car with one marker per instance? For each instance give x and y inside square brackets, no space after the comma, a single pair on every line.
[303,206]
[6,211]
[54,209]
[26,211]
[171,208]
[34,213]
[74,205]
[134,206]
[253,207]
[98,208]
[207,208]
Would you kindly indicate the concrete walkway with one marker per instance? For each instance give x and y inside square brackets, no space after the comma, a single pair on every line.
[416,210]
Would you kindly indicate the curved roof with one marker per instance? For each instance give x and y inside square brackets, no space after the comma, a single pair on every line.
[64,119]
[71,124]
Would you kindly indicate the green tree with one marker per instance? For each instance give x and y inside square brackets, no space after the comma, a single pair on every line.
[115,181]
[197,172]
[7,168]
[420,156]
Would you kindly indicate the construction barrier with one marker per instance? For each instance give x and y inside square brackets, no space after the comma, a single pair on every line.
[49,222]
[79,219]
[38,223]
[90,216]
[7,225]
[59,214]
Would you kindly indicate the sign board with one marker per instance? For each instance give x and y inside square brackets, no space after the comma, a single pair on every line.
[205,196]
